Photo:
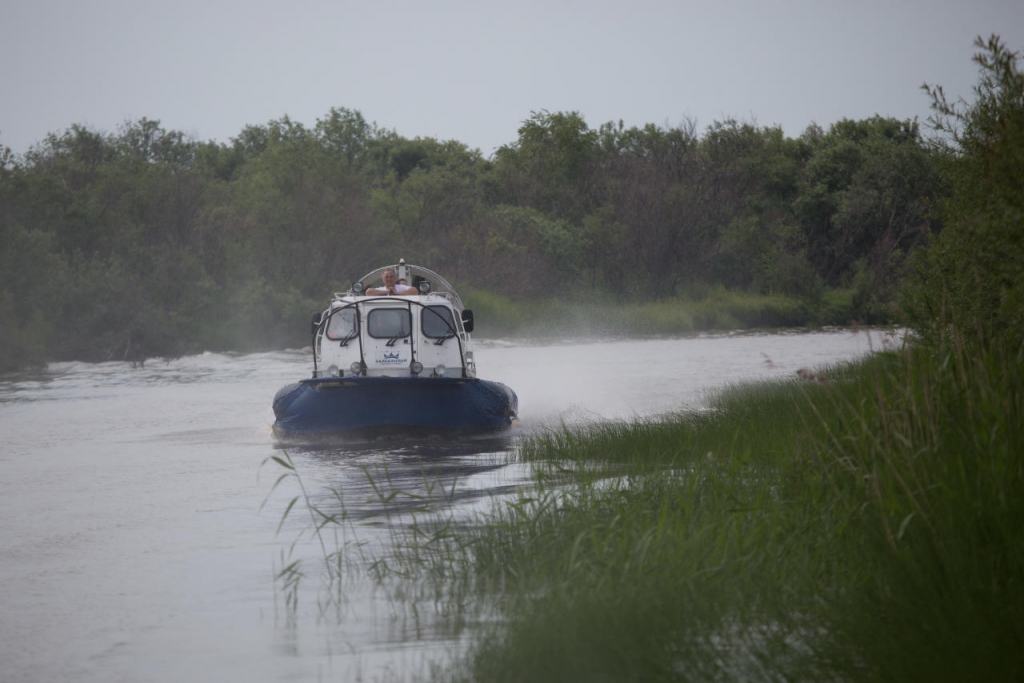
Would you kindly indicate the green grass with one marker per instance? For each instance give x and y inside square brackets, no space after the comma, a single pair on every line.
[718,309]
[867,526]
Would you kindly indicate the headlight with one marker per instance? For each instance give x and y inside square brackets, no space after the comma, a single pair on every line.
[439,370]
[358,287]
[356,368]
[423,287]
[416,367]
[332,370]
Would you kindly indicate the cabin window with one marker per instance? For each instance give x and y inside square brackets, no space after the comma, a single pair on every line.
[437,322]
[389,323]
[343,324]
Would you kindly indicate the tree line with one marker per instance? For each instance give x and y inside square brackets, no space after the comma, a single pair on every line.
[144,242]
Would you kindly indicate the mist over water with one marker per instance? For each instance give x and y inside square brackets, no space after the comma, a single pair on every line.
[134,543]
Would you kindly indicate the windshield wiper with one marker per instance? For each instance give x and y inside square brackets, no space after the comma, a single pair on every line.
[346,339]
[441,340]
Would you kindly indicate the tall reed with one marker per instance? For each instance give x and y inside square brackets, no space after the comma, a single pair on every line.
[863,525]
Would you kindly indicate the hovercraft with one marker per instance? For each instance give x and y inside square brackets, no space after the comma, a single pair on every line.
[386,363]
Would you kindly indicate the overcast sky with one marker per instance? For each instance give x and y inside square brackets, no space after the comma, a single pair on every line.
[474,70]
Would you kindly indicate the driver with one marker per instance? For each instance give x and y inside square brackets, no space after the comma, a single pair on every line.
[391,286]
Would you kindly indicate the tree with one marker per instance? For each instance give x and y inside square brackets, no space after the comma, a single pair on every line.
[864,198]
[346,133]
[971,279]
[752,176]
[550,166]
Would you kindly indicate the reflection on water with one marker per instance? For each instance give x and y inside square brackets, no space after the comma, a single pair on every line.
[389,476]
[139,518]
[410,446]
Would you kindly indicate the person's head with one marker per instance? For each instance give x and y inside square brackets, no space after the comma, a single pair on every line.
[402,281]
[389,277]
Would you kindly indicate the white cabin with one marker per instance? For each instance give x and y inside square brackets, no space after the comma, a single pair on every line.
[425,335]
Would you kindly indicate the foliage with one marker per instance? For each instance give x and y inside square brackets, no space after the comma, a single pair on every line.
[157,244]
[971,279]
[865,198]
[23,344]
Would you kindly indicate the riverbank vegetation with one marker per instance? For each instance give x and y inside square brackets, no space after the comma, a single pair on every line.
[862,525]
[861,522]
[717,309]
[143,242]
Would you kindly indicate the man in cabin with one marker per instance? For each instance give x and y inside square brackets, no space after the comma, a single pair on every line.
[391,287]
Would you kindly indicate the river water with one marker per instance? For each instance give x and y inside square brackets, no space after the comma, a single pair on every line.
[140,522]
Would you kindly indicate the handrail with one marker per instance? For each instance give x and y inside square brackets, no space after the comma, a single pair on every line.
[438,284]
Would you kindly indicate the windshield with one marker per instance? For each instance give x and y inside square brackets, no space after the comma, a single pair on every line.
[437,322]
[343,324]
[389,323]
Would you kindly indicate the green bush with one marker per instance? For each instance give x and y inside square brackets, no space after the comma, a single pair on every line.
[22,344]
[970,281]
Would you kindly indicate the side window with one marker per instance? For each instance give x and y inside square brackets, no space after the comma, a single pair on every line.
[437,322]
[343,324]
[388,323]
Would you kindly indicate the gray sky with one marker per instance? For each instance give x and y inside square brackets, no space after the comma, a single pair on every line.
[474,70]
